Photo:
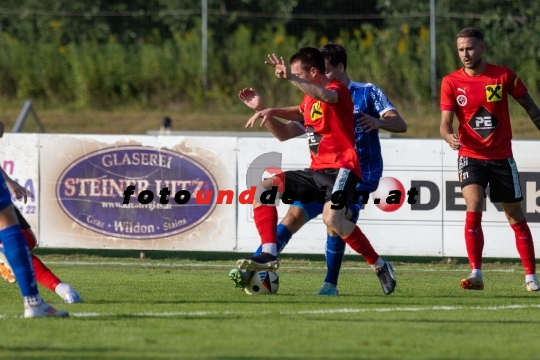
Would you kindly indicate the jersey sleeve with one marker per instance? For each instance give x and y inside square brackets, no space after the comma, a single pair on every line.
[379,100]
[515,86]
[341,91]
[447,95]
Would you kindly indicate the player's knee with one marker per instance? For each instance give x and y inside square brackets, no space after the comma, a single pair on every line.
[30,239]
[331,221]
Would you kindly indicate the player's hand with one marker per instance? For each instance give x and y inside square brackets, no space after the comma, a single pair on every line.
[264,115]
[251,98]
[17,191]
[453,141]
[282,71]
[367,122]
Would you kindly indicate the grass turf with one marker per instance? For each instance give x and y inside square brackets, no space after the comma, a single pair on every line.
[182,308]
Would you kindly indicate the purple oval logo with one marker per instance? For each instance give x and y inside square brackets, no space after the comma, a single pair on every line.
[91,191]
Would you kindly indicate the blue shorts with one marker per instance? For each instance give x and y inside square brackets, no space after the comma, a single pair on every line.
[5,195]
[314,209]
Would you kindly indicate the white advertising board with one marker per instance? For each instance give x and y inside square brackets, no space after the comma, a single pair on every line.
[84,179]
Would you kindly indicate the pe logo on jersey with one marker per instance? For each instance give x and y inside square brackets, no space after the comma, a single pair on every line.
[483,122]
[316,111]
[494,92]
[278,177]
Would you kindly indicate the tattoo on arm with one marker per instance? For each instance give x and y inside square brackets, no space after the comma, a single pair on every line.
[532,109]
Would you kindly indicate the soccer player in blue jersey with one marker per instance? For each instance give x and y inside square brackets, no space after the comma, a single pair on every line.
[372,111]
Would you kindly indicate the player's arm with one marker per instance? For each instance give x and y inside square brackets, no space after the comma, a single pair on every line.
[389,121]
[15,188]
[314,90]
[281,130]
[447,130]
[531,108]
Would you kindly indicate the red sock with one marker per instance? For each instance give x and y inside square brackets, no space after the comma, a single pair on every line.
[266,221]
[360,243]
[44,276]
[525,246]
[474,239]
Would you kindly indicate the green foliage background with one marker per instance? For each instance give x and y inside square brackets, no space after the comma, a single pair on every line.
[104,53]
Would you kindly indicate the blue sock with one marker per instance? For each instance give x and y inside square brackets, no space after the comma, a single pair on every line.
[283,237]
[18,256]
[334,252]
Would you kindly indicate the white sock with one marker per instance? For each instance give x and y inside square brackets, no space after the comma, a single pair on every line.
[35,300]
[62,289]
[477,272]
[531,278]
[270,248]
[378,264]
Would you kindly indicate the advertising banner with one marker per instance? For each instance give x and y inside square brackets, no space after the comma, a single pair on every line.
[137,192]
[19,157]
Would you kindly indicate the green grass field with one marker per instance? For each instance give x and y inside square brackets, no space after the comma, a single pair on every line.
[188,309]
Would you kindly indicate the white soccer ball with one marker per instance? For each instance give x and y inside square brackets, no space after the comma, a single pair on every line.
[263,282]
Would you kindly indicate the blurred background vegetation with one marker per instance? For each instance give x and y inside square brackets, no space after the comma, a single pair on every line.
[145,55]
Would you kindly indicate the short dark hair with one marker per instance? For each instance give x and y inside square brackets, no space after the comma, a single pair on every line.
[309,57]
[335,54]
[470,33]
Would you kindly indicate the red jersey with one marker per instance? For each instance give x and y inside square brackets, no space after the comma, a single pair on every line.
[481,106]
[330,131]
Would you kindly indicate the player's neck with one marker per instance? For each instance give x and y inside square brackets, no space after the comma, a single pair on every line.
[477,70]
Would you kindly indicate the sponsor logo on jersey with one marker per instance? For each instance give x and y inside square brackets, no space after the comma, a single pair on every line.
[494,92]
[461,100]
[314,140]
[316,111]
[483,123]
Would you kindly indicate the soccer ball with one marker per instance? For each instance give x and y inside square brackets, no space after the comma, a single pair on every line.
[262,283]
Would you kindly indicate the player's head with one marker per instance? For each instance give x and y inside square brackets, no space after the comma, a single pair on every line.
[335,57]
[308,64]
[470,45]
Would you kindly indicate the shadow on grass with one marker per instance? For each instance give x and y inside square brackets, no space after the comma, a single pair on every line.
[232,256]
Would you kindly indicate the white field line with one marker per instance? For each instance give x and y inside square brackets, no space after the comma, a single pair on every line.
[297,312]
[148,264]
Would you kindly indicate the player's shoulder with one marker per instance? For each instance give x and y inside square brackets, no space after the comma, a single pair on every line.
[457,74]
[498,70]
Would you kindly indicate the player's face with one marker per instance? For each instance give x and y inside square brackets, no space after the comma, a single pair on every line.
[470,51]
[334,71]
[296,69]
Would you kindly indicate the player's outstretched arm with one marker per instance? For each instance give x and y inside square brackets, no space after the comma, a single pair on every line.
[447,131]
[281,131]
[16,190]
[316,91]
[390,121]
[532,109]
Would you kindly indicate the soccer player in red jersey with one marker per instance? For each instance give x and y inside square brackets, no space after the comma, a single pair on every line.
[327,113]
[478,95]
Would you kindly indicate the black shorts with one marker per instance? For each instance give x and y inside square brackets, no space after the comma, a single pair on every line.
[501,175]
[336,185]
[22,221]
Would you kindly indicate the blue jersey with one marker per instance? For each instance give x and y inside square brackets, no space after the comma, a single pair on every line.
[370,100]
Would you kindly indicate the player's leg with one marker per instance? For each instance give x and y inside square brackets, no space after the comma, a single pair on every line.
[473,179]
[265,216]
[334,252]
[18,256]
[524,242]
[335,220]
[506,189]
[46,277]
[297,215]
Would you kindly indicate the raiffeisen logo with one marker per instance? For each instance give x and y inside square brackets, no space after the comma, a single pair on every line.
[91,190]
